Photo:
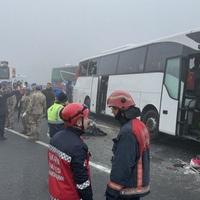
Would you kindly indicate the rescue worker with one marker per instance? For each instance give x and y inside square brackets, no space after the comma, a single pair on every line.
[35,111]
[68,157]
[55,123]
[129,178]
[24,103]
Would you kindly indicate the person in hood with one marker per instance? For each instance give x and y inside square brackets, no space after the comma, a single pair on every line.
[68,157]
[129,178]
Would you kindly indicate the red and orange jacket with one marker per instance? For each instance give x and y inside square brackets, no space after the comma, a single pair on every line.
[68,160]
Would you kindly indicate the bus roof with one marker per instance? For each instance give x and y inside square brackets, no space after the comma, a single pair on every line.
[190,39]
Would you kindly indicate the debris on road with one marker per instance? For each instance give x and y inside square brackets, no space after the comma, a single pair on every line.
[188,168]
[93,130]
[195,162]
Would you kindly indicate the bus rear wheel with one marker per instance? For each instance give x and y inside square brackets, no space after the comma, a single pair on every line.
[151,119]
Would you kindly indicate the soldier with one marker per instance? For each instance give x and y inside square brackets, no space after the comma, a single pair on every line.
[24,103]
[11,103]
[3,108]
[36,109]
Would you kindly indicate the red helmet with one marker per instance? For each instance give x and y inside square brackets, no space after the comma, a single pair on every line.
[73,112]
[120,99]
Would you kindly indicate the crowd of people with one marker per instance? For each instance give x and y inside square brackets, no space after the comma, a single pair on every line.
[28,103]
[68,155]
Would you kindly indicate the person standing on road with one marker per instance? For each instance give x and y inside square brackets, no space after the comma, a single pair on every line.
[3,108]
[68,157]
[55,123]
[24,103]
[35,111]
[49,94]
[129,178]
[11,105]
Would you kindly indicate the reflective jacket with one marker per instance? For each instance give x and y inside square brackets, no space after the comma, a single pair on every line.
[68,159]
[129,176]
[55,123]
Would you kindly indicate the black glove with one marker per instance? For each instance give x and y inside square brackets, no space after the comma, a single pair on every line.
[86,194]
[112,194]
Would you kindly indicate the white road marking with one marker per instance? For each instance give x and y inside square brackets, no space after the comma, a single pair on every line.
[103,126]
[94,165]
[17,133]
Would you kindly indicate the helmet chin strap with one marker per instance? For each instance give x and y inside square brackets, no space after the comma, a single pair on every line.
[82,124]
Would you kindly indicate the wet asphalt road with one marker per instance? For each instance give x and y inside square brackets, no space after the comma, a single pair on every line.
[23,167]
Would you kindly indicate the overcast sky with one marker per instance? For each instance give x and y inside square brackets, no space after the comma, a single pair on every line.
[36,35]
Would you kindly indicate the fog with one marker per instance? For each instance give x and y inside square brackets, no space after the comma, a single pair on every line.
[38,35]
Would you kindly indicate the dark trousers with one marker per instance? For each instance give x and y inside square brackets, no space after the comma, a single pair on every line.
[136,198]
[2,124]
[120,198]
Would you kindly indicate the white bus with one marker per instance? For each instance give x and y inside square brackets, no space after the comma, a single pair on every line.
[156,75]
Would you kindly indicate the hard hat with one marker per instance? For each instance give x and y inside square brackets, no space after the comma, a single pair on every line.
[120,99]
[61,97]
[73,112]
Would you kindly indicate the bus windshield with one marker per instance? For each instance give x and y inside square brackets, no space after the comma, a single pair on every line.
[63,74]
[4,72]
[63,78]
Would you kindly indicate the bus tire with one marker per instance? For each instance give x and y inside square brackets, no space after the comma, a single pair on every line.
[87,102]
[151,120]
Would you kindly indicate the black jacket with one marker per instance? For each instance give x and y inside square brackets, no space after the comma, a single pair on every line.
[50,97]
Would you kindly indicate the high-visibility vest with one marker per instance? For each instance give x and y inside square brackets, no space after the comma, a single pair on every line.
[54,114]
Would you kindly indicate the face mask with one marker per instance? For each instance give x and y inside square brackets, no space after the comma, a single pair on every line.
[121,117]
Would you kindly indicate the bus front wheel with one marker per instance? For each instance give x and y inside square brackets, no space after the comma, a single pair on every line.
[151,119]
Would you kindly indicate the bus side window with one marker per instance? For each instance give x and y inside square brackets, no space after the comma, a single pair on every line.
[83,69]
[92,70]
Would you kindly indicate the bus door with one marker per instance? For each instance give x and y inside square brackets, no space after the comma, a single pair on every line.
[170,96]
[102,94]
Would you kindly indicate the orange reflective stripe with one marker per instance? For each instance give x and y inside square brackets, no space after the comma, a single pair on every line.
[139,175]
[134,191]
[115,186]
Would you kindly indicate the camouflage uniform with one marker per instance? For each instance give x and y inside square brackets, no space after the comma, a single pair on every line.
[36,109]
[24,103]
[11,103]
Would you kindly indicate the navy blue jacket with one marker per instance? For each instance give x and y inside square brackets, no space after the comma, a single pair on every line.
[124,162]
